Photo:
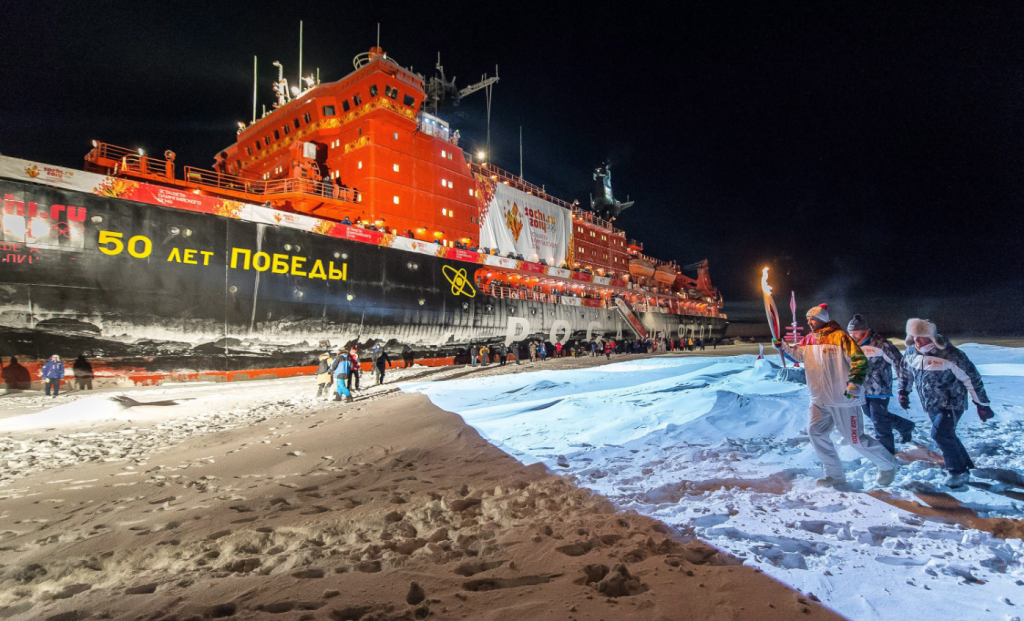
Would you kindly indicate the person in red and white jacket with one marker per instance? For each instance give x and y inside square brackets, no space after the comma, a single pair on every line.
[836,368]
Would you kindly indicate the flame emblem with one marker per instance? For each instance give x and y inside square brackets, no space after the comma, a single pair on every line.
[32,171]
[513,221]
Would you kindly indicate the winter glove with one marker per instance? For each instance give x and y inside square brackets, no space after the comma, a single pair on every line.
[904,400]
[984,412]
[853,390]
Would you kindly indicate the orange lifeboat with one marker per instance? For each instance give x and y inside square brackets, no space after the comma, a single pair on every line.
[641,268]
[665,274]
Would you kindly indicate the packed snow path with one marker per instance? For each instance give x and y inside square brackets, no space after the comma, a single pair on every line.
[718,447]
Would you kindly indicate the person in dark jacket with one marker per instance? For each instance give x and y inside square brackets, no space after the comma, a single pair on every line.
[883,360]
[353,376]
[944,378]
[382,359]
[83,373]
[340,369]
[53,373]
[474,352]
[502,355]
[323,374]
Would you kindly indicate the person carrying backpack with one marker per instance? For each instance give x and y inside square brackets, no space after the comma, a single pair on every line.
[340,369]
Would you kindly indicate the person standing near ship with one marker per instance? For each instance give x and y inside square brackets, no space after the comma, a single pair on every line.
[944,377]
[53,373]
[474,351]
[883,360]
[836,369]
[340,369]
[533,351]
[382,359]
[353,376]
[323,375]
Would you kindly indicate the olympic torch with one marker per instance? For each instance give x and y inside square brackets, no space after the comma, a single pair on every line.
[772,312]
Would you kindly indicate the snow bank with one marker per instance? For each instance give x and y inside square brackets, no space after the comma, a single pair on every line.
[717,446]
[88,410]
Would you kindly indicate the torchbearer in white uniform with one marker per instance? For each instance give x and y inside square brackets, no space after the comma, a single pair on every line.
[836,368]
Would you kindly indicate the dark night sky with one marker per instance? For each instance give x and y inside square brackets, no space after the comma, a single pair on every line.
[871,154]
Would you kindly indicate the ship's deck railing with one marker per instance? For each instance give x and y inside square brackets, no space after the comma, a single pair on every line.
[503,176]
[512,293]
[197,177]
[590,217]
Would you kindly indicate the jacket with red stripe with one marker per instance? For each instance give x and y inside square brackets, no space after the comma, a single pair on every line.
[944,378]
[883,359]
[831,360]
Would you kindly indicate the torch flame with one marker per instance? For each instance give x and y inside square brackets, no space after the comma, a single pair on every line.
[764,282]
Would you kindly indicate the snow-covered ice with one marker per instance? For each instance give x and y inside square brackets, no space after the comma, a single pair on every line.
[718,447]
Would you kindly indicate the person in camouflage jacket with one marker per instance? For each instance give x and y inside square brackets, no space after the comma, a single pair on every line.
[883,360]
[944,377]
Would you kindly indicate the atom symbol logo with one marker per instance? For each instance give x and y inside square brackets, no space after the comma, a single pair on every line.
[459,281]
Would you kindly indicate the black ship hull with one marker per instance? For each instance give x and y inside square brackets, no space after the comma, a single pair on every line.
[145,289]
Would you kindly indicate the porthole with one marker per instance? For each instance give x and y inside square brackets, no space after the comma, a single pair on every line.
[488,308]
[187,232]
[350,297]
[174,230]
[422,301]
[465,306]
[233,289]
[344,255]
[97,219]
[512,310]
[337,255]
[533,311]
[288,247]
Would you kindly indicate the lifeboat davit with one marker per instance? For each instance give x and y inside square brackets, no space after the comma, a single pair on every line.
[665,274]
[641,267]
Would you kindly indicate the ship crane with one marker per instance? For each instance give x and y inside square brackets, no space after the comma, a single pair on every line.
[441,91]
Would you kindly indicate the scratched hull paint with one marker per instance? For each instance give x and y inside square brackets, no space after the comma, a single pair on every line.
[144,288]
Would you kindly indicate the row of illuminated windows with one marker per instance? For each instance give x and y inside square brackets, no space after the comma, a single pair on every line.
[594,235]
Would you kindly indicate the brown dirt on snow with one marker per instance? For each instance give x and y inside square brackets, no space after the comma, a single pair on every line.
[375,511]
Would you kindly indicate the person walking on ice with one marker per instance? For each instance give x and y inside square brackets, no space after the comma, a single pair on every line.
[883,359]
[944,377]
[340,369]
[836,368]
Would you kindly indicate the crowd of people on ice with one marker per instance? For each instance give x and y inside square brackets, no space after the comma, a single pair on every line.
[850,373]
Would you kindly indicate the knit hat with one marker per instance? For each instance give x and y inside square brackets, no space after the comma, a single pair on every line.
[819,312]
[857,324]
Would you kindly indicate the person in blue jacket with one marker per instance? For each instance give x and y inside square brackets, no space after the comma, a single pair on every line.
[340,369]
[53,373]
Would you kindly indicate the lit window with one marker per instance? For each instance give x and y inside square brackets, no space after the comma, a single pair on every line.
[287,130]
[390,91]
[471,192]
[451,184]
[395,167]
[396,200]
[360,166]
[444,153]
[444,212]
[444,183]
[357,99]
[395,136]
[307,118]
[449,155]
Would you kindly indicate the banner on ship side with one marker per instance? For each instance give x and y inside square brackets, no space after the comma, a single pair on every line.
[513,221]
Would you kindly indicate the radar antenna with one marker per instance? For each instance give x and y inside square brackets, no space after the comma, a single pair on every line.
[442,92]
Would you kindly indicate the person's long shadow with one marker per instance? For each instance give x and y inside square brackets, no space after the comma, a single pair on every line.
[16,376]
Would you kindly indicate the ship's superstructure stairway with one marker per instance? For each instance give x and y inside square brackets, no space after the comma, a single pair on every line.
[631,318]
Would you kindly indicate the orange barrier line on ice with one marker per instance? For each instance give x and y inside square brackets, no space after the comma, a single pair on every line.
[143,377]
